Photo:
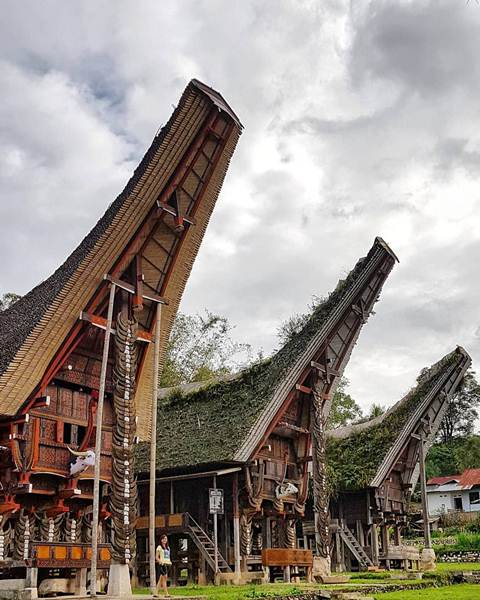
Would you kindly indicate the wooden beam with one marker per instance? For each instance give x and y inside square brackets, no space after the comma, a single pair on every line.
[293,427]
[101,323]
[303,388]
[128,287]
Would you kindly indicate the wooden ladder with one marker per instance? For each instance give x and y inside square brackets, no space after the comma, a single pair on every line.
[206,546]
[354,546]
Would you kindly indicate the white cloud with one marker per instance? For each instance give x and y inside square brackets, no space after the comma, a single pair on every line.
[359,121]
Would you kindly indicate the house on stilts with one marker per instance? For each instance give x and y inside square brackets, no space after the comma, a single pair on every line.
[373,468]
[250,437]
[56,363]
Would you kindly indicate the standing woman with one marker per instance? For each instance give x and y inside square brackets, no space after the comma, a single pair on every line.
[162,556]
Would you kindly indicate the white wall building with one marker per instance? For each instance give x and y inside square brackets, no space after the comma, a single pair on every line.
[454,493]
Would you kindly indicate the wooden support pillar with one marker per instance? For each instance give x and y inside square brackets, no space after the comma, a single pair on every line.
[286,574]
[340,562]
[81,582]
[98,443]
[384,534]
[31,580]
[236,526]
[423,485]
[153,451]
[202,571]
[397,532]
[374,544]
[268,532]
[172,498]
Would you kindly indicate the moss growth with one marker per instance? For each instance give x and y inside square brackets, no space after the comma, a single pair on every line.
[353,461]
[210,424]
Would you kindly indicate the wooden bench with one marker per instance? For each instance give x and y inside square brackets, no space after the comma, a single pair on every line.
[286,558]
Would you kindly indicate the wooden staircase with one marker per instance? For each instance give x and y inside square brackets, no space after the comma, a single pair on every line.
[354,546]
[206,546]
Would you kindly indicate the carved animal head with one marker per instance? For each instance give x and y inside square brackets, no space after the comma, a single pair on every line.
[83,461]
[285,489]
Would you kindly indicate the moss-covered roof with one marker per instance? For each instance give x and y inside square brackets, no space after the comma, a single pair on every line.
[208,425]
[355,453]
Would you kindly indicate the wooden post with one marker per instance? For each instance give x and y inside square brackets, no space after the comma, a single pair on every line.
[172,498]
[384,534]
[236,526]
[98,443]
[215,531]
[153,452]
[374,536]
[423,484]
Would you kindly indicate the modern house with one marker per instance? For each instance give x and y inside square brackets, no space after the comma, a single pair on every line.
[454,493]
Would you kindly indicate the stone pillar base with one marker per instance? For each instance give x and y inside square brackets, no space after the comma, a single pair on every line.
[119,581]
[427,559]
[321,567]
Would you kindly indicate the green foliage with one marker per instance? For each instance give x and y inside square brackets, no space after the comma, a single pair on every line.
[454,457]
[465,543]
[210,424]
[462,411]
[452,592]
[353,461]
[441,460]
[344,409]
[376,410]
[201,348]
[467,453]
[7,300]
[293,325]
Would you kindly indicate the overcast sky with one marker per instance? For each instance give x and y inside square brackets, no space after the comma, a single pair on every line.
[361,119]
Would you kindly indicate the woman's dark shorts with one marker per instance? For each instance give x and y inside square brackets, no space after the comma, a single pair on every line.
[161,570]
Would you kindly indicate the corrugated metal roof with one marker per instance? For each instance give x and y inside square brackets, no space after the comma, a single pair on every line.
[470,478]
[443,480]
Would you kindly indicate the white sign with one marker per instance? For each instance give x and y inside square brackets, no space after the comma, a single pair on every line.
[215,501]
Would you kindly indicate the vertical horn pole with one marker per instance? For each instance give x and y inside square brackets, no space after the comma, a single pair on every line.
[153,452]
[98,444]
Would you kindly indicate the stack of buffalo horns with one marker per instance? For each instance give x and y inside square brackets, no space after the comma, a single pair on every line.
[124,493]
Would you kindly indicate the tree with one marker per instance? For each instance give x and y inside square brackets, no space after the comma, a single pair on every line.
[200,348]
[344,409]
[7,300]
[467,454]
[462,410]
[295,323]
[441,460]
[376,410]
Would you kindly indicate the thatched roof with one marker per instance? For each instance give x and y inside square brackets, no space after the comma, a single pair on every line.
[222,421]
[359,455]
[33,329]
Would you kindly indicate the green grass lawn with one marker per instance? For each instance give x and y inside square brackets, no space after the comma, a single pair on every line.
[453,592]
[236,592]
[250,592]
[445,567]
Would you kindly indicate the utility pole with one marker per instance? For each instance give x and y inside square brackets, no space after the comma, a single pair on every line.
[98,444]
[153,452]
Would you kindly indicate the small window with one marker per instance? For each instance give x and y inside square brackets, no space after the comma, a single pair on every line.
[474,497]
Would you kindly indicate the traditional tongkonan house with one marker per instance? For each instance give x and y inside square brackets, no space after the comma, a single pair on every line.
[57,364]
[250,437]
[374,466]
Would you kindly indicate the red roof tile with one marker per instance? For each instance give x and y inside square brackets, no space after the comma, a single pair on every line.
[443,480]
[470,478]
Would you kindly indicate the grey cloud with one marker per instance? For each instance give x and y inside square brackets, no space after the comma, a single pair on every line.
[431,47]
[453,153]
[349,115]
